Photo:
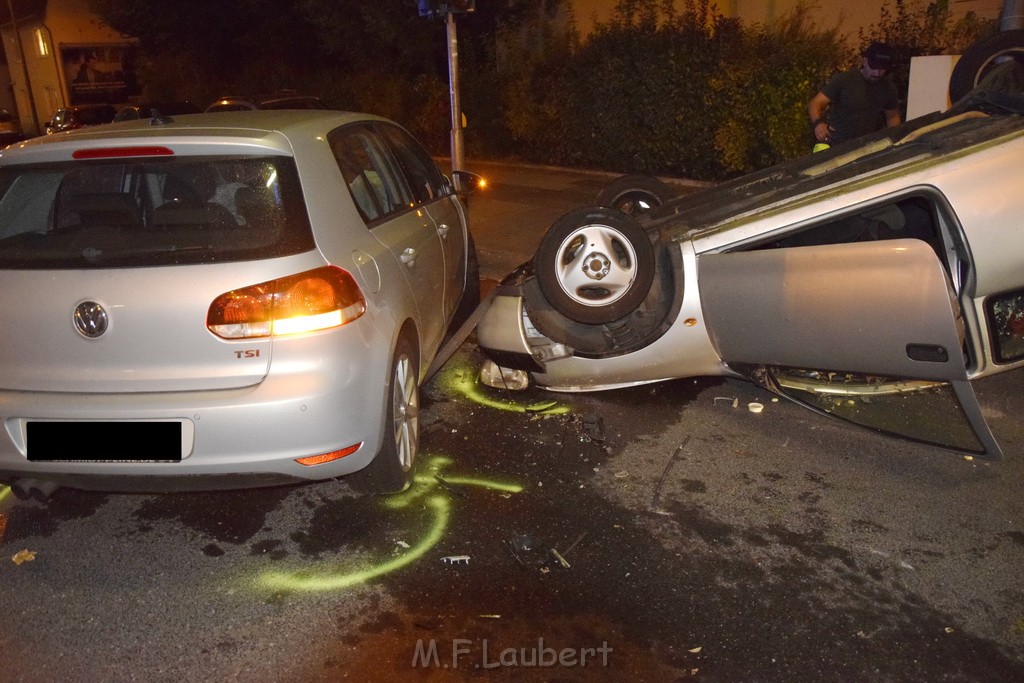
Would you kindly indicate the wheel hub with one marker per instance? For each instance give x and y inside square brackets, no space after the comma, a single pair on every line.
[596,266]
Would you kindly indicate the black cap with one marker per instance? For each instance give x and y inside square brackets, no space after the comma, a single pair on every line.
[879,56]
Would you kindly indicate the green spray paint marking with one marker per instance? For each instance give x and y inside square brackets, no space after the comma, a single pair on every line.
[321,581]
[460,381]
[424,487]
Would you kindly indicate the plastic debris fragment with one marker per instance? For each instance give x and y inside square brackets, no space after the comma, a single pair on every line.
[23,556]
[455,559]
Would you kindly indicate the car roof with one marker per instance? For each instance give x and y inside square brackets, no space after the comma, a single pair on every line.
[267,128]
[923,141]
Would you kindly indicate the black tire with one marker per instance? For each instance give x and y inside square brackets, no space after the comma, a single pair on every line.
[979,59]
[595,265]
[635,194]
[392,469]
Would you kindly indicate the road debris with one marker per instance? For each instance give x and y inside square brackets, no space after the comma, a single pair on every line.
[728,399]
[621,474]
[23,556]
[490,616]
[593,427]
[561,560]
[664,473]
[455,559]
[755,407]
[559,557]
[448,487]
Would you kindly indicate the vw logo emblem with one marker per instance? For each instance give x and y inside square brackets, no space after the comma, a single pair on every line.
[90,319]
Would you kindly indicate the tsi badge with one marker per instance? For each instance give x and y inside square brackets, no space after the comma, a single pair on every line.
[91,319]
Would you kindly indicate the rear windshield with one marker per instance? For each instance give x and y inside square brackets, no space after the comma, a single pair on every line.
[150,212]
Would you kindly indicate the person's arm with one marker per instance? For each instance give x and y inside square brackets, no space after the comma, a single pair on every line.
[892,117]
[816,110]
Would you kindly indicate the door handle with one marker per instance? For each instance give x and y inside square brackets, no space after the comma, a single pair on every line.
[408,256]
[443,229]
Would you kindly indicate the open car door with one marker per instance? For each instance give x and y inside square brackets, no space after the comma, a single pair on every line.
[869,332]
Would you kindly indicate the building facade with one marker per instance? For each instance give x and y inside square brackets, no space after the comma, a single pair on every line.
[59,53]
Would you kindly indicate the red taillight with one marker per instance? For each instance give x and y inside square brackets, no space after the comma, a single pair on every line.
[315,300]
[117,152]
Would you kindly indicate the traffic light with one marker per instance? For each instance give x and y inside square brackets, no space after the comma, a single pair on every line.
[439,8]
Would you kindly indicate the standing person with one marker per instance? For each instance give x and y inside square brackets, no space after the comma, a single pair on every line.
[856,99]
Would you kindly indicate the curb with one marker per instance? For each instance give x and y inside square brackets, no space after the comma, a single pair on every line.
[686,182]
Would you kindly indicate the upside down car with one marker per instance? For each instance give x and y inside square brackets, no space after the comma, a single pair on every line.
[871,282]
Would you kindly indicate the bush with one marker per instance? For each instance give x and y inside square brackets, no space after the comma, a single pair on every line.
[690,92]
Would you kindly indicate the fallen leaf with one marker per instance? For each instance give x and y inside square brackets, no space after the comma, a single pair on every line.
[23,556]
[697,649]
[950,629]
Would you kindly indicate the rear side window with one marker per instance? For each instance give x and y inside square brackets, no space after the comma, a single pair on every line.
[376,185]
[147,212]
[425,181]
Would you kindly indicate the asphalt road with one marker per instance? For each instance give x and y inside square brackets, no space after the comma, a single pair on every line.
[649,534]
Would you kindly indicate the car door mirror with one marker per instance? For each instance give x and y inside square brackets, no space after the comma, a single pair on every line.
[466,183]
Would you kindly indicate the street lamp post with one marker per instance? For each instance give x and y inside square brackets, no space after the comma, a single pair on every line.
[458,150]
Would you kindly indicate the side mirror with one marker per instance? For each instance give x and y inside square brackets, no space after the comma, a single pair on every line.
[466,183]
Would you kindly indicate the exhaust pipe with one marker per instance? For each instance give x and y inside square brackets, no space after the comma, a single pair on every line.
[36,489]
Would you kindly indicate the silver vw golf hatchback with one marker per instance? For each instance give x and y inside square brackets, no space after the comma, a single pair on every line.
[223,300]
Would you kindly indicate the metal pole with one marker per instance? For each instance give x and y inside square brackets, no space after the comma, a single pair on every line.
[458,153]
[1012,16]
[24,67]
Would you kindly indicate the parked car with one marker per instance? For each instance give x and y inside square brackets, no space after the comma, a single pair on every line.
[871,282]
[80,116]
[10,129]
[148,110]
[286,99]
[223,300]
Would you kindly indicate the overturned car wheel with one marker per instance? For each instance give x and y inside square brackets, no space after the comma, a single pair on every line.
[595,266]
[635,194]
[980,58]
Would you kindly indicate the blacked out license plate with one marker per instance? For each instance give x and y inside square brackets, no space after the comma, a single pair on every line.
[88,441]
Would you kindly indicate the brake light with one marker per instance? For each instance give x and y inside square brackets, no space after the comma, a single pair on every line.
[315,300]
[118,152]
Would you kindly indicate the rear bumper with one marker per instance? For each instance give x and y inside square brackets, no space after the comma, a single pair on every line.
[232,438]
[501,336]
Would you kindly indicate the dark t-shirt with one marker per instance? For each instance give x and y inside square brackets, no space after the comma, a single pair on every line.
[857,104]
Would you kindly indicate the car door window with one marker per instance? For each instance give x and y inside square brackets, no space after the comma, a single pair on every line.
[370,174]
[425,181]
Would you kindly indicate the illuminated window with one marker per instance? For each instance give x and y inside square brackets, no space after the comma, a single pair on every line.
[42,47]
